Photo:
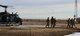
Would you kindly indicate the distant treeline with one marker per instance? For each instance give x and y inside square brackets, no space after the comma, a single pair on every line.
[58,20]
[34,19]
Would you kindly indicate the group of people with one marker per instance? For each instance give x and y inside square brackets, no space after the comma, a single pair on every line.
[51,22]
[71,23]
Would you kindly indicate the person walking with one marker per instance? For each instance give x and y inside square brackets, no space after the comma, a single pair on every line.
[47,25]
[72,23]
[68,23]
[52,21]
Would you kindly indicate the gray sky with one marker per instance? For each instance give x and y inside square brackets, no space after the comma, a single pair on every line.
[41,9]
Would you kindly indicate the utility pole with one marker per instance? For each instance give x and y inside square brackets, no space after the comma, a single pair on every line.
[76,10]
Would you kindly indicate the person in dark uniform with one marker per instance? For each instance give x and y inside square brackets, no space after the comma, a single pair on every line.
[47,22]
[52,21]
[72,23]
[68,23]
[20,21]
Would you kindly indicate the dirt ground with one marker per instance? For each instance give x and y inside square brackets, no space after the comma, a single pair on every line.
[39,22]
[60,31]
[37,32]
[34,22]
[63,24]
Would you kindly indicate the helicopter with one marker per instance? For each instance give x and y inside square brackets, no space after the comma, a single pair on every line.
[9,19]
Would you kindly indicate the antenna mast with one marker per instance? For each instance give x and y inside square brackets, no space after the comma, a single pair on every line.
[76,10]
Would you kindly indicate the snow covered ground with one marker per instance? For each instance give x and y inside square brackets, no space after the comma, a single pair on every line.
[74,34]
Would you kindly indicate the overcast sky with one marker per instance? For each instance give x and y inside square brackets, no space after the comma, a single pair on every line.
[41,9]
